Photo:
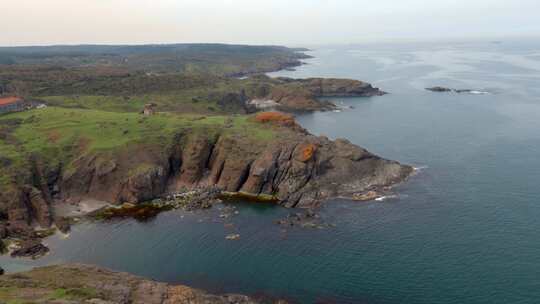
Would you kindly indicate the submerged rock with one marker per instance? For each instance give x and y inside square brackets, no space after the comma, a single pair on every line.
[232,237]
[30,248]
[466,91]
[439,89]
[63,224]
[308,219]
[366,196]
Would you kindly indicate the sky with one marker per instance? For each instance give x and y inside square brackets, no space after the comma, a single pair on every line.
[284,22]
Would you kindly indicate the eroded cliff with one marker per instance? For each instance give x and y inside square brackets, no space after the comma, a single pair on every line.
[263,154]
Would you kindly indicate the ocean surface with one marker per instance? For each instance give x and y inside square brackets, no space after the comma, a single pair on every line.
[465,229]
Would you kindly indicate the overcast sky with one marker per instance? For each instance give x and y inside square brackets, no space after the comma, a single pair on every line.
[289,22]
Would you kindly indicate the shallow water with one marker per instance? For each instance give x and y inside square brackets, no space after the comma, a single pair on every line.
[464,230]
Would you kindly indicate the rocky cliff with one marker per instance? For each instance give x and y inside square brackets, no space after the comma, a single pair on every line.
[299,169]
[295,167]
[89,284]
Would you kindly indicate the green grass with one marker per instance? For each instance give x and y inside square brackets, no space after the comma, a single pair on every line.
[12,295]
[72,294]
[53,127]
[61,134]
[171,102]
[201,99]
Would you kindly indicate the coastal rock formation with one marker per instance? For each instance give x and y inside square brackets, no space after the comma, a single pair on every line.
[30,248]
[288,94]
[90,284]
[299,169]
[293,168]
[328,87]
[440,89]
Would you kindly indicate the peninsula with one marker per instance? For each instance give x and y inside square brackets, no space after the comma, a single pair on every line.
[132,124]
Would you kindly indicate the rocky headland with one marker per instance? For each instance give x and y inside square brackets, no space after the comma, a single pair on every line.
[304,95]
[289,167]
[92,285]
[152,134]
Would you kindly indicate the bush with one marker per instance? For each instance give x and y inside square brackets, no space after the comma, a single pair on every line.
[278,117]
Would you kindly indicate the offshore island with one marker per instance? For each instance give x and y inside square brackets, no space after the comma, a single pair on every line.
[143,129]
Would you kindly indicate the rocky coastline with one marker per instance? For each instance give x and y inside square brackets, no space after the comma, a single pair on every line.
[193,169]
[181,155]
[304,95]
[76,283]
[294,170]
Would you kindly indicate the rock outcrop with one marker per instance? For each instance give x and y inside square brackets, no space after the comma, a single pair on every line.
[439,89]
[335,87]
[288,94]
[296,168]
[90,284]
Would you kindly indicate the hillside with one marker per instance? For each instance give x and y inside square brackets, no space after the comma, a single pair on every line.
[217,59]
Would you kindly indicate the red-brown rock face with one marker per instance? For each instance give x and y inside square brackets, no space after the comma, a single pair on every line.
[297,168]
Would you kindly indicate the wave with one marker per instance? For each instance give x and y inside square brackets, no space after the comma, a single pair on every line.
[474,92]
[386,197]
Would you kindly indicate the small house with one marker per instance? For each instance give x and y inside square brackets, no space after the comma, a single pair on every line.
[12,104]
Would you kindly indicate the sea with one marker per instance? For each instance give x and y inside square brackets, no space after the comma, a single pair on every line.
[464,229]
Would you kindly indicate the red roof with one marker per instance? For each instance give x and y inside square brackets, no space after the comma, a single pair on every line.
[9,100]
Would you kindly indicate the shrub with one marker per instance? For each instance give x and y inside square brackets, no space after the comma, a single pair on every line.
[278,117]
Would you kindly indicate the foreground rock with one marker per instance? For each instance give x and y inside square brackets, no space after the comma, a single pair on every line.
[89,284]
[31,248]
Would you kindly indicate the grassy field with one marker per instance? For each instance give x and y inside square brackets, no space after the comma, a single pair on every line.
[60,134]
[95,94]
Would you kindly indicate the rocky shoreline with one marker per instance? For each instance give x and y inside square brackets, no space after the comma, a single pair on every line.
[78,283]
[304,95]
[193,170]
[295,170]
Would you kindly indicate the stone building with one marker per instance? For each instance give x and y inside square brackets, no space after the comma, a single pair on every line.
[149,109]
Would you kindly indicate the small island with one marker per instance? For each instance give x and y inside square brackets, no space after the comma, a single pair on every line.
[439,89]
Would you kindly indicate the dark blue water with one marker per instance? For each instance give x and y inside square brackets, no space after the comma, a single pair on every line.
[466,229]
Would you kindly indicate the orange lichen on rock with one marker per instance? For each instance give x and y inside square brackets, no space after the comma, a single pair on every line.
[306,152]
[275,117]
